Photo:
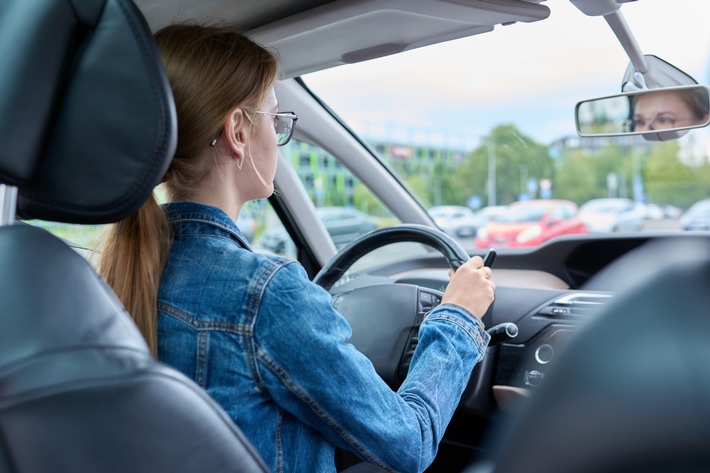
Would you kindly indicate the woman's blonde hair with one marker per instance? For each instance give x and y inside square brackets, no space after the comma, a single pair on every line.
[212,71]
[697,101]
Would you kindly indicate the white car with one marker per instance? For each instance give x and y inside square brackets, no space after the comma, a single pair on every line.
[697,217]
[462,222]
[609,215]
[449,217]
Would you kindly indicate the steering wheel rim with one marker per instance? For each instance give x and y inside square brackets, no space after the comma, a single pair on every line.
[452,251]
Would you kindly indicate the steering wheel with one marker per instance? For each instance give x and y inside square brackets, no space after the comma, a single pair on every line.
[385,318]
[345,258]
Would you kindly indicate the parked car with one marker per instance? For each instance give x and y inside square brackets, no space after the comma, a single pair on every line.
[466,230]
[607,215]
[450,218]
[653,212]
[531,223]
[491,213]
[344,224]
[697,217]
[276,240]
[671,211]
[368,79]
[462,222]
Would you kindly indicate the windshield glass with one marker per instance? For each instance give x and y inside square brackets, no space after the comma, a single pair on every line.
[487,121]
[471,126]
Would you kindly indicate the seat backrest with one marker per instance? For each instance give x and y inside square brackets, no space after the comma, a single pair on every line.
[630,392]
[88,128]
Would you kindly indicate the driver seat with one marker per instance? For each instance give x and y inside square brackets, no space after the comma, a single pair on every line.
[88,128]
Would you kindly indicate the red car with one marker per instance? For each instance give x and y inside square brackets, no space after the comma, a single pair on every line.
[531,223]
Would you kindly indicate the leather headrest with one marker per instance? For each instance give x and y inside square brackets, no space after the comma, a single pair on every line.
[87,119]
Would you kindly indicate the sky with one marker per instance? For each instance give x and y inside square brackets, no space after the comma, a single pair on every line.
[489,78]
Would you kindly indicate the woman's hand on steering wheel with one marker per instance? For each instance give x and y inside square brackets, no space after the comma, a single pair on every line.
[471,287]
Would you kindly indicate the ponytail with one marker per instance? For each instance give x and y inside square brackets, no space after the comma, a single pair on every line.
[132,262]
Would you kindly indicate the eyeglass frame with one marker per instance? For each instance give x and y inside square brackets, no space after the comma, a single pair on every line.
[283,115]
[632,123]
[287,114]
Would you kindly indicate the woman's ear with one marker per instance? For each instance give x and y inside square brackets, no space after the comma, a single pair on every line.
[235,132]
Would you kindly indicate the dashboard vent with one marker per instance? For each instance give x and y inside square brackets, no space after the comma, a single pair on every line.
[575,305]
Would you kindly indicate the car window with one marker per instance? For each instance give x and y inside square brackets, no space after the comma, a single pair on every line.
[556,214]
[524,214]
[86,239]
[343,203]
[83,238]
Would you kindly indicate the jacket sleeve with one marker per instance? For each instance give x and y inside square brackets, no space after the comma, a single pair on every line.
[304,361]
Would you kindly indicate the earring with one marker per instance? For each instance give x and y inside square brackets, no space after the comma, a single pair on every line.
[240,163]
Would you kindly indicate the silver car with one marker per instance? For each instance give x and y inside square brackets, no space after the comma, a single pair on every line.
[612,215]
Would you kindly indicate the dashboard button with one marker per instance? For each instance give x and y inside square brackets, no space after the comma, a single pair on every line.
[533,378]
[544,354]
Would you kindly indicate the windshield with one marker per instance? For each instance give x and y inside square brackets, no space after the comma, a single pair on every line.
[486,121]
[479,123]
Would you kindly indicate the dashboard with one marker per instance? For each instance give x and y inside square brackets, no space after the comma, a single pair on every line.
[548,292]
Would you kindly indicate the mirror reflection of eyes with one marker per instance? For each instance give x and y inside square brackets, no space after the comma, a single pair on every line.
[665,121]
[661,109]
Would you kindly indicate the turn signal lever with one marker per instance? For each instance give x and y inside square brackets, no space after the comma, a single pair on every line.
[504,332]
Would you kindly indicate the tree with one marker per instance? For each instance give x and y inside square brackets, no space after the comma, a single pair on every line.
[583,175]
[672,181]
[576,178]
[517,159]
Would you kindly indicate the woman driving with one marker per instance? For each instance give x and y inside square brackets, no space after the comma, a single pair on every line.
[254,331]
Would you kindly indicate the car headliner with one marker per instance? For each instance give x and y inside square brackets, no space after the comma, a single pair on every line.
[312,35]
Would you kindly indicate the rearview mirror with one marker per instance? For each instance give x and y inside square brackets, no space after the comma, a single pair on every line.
[657,114]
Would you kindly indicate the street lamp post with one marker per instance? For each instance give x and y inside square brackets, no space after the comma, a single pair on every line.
[491,173]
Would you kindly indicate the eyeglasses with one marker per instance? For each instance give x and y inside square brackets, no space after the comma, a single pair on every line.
[662,122]
[284,124]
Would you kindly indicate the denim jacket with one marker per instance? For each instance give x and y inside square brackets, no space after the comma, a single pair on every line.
[268,346]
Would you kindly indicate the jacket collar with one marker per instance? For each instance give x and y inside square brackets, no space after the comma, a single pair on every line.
[216,218]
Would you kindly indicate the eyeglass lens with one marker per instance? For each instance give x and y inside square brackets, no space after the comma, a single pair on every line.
[284,124]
